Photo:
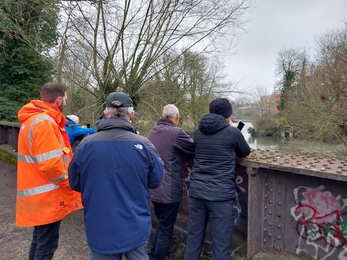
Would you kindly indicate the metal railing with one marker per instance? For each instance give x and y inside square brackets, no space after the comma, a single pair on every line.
[296,204]
[9,134]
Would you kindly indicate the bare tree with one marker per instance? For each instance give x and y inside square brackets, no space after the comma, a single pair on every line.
[128,38]
[317,106]
[190,82]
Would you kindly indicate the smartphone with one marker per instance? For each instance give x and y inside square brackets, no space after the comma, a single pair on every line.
[241,125]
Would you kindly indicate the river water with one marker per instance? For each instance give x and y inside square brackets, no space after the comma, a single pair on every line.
[294,146]
[264,143]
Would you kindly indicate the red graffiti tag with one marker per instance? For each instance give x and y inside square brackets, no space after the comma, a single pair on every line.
[317,225]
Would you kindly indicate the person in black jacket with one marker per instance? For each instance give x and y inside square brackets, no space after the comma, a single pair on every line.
[172,143]
[212,185]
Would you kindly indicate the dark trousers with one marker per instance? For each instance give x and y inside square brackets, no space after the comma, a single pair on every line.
[220,215]
[139,253]
[161,239]
[45,241]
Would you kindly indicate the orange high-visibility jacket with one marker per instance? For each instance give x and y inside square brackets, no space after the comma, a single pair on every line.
[43,192]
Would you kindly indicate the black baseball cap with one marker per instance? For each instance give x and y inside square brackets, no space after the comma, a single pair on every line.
[118,99]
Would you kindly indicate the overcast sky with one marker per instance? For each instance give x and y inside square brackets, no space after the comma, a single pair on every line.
[275,25]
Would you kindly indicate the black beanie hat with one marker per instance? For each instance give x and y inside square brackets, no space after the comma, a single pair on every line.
[221,106]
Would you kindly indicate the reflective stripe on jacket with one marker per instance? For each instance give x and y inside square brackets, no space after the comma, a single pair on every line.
[43,191]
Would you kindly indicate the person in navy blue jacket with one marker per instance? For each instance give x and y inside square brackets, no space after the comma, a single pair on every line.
[114,170]
[74,130]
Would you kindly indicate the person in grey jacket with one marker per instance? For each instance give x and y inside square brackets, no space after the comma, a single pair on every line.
[212,185]
[171,142]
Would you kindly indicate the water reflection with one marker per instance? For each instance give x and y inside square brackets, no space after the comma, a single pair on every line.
[264,143]
[294,146]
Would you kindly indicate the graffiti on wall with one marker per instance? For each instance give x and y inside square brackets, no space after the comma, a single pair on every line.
[321,223]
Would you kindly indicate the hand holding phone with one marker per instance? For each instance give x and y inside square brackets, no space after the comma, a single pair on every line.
[240,125]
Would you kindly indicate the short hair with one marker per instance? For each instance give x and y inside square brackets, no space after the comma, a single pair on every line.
[124,112]
[51,91]
[170,111]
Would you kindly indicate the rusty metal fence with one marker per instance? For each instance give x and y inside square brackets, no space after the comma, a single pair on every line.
[297,204]
[289,202]
[292,203]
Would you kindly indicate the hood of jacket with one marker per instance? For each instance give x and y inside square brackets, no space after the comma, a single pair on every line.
[35,107]
[212,123]
[116,122]
[70,123]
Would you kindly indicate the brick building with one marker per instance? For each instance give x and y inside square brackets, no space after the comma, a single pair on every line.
[268,104]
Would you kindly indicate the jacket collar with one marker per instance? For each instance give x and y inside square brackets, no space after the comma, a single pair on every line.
[35,107]
[116,122]
[166,121]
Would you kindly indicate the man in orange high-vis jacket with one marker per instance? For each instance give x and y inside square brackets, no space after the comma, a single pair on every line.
[44,196]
